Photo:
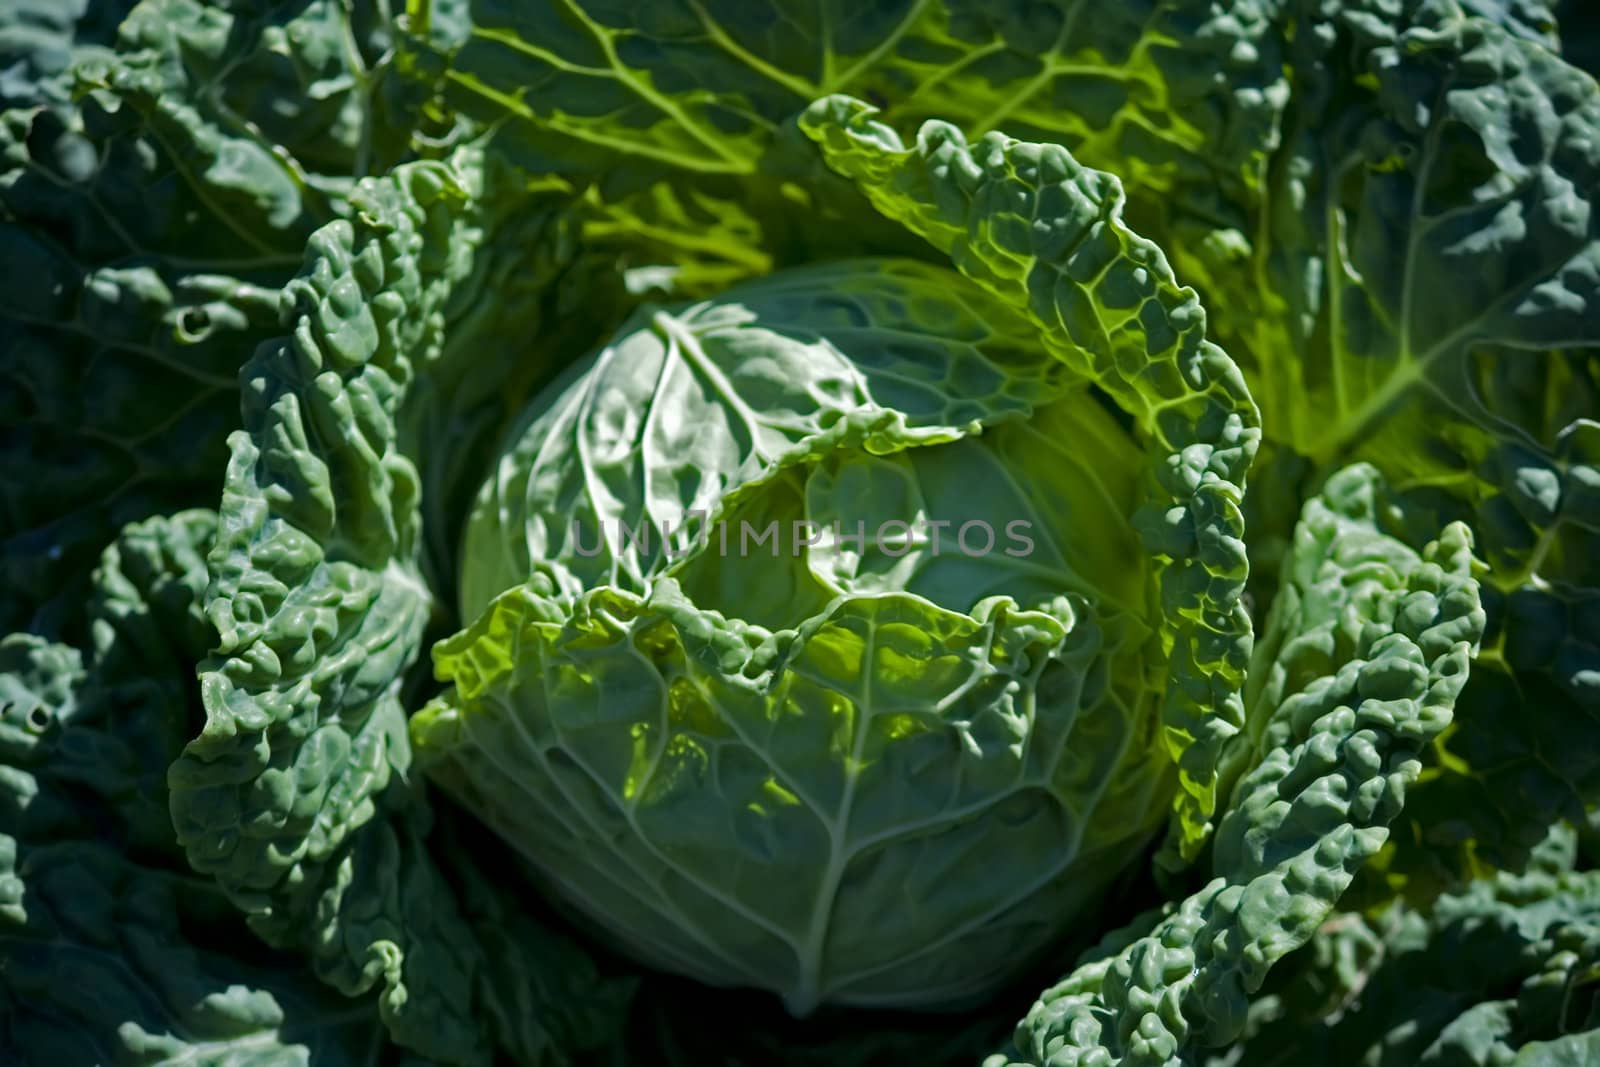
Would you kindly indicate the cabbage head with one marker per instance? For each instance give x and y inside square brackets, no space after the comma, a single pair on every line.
[796,609]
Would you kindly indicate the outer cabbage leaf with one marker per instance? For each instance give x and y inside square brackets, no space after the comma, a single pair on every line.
[146,228]
[1364,654]
[295,795]
[41,39]
[115,952]
[1422,291]
[1045,234]
[1180,92]
[1533,20]
[683,115]
[1511,391]
[1500,973]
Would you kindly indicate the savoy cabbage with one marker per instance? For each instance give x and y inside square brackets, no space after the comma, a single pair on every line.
[705,532]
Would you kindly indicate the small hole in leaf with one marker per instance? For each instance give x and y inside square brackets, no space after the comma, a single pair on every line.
[194,321]
[39,718]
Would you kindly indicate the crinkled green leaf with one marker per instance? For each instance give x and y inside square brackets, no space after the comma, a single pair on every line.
[147,227]
[294,795]
[692,104]
[1045,234]
[1181,93]
[1422,291]
[41,39]
[1362,659]
[1533,20]
[114,951]
[1502,973]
